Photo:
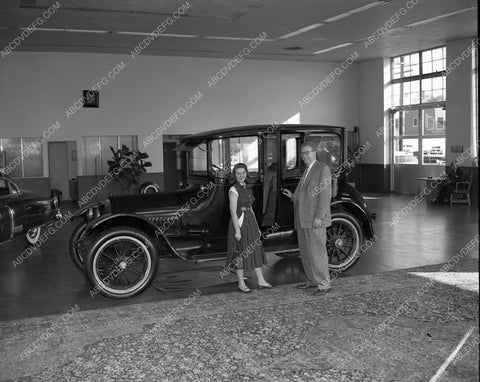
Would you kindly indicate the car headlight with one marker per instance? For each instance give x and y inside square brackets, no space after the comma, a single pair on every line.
[90,214]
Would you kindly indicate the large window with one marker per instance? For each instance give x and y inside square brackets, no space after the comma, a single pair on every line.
[23,157]
[418,99]
[97,151]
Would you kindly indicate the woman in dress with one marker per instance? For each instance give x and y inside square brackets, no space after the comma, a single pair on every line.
[245,250]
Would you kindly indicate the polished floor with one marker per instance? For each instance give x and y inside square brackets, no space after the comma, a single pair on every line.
[48,283]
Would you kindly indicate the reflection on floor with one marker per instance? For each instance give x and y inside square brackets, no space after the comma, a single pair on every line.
[48,283]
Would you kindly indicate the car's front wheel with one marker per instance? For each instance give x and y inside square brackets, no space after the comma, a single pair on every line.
[121,262]
[344,240]
[33,235]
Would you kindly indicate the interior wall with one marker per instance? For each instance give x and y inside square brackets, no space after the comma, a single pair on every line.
[371,113]
[459,99]
[373,171]
[39,87]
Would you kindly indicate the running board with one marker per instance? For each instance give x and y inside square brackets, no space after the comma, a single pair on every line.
[206,258]
[286,251]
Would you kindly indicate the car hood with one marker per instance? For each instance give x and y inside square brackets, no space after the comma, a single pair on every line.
[28,196]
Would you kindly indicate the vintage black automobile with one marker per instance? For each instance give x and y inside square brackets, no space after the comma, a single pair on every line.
[23,212]
[118,243]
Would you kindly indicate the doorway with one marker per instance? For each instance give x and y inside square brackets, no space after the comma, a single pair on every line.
[418,146]
[62,166]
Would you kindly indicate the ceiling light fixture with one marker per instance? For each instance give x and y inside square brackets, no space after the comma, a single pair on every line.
[67,30]
[46,29]
[178,35]
[85,31]
[161,35]
[228,38]
[234,38]
[300,31]
[333,48]
[427,21]
[355,11]
[134,33]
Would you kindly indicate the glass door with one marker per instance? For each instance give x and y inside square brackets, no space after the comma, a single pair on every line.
[418,146]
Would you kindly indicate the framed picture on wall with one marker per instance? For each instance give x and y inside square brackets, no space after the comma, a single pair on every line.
[91,98]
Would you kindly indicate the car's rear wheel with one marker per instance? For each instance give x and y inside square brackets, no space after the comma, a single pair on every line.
[77,252]
[344,240]
[33,235]
[121,262]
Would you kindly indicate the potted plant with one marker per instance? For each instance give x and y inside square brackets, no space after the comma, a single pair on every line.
[127,167]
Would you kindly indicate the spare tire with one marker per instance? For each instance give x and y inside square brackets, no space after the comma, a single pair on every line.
[149,188]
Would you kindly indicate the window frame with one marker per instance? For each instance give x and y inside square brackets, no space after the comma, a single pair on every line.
[23,157]
[421,106]
[86,158]
[299,161]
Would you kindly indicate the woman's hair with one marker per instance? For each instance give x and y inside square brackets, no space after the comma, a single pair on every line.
[239,165]
[235,168]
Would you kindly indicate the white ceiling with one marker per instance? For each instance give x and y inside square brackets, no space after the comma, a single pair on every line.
[441,21]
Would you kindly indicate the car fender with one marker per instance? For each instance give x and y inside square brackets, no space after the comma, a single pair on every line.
[89,209]
[358,212]
[110,220]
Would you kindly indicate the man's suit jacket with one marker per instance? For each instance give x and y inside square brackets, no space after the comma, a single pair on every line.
[312,198]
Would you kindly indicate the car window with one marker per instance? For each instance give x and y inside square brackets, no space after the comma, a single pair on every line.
[4,189]
[271,154]
[328,149]
[227,152]
[291,163]
[197,160]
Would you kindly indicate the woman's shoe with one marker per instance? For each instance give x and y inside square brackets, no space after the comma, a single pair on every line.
[268,286]
[244,289]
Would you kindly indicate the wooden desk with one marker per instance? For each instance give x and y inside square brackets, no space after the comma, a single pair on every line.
[428,184]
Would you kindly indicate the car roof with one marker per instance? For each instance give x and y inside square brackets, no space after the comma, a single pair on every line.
[198,137]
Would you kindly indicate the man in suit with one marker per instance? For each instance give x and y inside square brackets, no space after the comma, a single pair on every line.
[312,217]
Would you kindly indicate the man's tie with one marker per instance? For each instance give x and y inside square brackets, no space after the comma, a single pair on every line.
[304,176]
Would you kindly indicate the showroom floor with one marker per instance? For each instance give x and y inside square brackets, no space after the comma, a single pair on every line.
[380,322]
[48,283]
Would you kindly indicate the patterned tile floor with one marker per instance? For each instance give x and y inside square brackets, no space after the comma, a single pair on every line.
[393,326]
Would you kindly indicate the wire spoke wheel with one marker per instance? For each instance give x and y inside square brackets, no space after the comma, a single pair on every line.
[122,262]
[344,239]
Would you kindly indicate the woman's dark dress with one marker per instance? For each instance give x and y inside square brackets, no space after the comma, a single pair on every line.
[252,255]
